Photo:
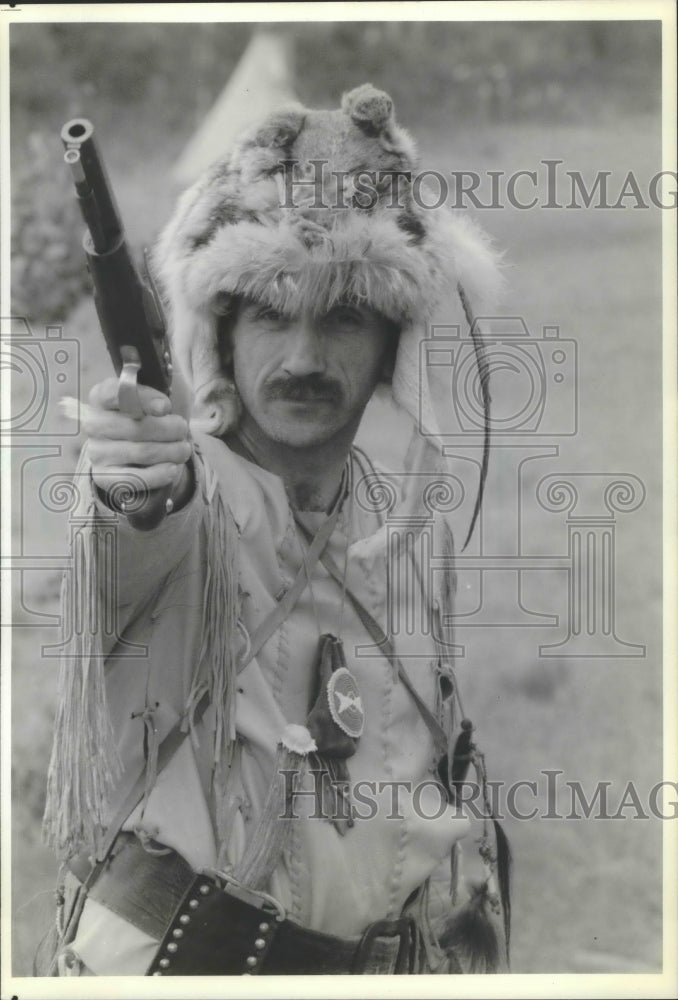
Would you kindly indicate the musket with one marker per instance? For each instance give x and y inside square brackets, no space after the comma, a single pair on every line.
[129,310]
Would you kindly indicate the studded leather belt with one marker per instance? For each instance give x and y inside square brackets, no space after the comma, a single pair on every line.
[209,925]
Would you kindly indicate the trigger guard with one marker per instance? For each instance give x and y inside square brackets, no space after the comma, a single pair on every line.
[128,391]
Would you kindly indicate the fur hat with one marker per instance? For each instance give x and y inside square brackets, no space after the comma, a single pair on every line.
[287,219]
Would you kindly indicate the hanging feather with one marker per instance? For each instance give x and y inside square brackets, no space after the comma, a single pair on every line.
[470,935]
[504,862]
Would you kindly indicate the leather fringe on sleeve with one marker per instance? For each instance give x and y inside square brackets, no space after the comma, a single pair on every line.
[85,765]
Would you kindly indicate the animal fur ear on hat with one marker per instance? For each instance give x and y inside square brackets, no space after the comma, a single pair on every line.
[369,108]
[281,128]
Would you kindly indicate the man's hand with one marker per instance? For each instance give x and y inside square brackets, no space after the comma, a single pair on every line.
[151,452]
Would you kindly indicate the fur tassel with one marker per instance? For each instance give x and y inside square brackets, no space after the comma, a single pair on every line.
[270,837]
[217,661]
[470,935]
[84,764]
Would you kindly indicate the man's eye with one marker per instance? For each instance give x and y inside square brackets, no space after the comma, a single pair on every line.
[268,315]
[344,316]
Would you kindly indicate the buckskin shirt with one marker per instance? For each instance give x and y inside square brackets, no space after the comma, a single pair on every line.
[326,881]
[194,594]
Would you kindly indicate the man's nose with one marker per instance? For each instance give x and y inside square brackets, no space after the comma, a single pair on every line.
[305,350]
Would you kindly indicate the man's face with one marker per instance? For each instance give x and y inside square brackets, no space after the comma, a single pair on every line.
[303,379]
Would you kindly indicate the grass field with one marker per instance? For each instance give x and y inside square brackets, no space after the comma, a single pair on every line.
[587,892]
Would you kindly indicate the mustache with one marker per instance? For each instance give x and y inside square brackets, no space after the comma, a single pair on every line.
[304,389]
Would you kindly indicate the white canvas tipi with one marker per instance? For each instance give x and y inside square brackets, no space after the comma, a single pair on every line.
[261,82]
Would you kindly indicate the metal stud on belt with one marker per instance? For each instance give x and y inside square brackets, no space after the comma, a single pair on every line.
[265,931]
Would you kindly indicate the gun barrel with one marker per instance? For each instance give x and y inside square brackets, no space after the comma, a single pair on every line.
[72,158]
[129,312]
[93,189]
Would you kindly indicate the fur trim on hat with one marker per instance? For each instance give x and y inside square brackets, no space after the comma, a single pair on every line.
[242,231]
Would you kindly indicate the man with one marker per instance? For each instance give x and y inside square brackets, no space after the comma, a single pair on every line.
[255,724]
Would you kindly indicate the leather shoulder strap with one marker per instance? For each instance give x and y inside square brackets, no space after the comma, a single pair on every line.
[133,789]
[280,612]
[374,629]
